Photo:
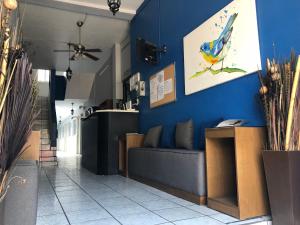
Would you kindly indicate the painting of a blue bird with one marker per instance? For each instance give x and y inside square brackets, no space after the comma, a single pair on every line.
[215,51]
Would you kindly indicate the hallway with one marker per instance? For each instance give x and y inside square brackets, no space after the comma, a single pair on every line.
[70,195]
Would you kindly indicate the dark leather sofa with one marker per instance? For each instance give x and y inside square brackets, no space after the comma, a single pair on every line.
[179,172]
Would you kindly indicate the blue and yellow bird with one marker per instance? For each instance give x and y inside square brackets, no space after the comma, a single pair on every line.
[215,51]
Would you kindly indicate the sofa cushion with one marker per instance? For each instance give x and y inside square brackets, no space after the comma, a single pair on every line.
[152,137]
[184,135]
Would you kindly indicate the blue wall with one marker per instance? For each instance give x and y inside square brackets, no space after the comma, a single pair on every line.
[167,22]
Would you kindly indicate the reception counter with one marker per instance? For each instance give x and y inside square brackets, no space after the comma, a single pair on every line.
[100,133]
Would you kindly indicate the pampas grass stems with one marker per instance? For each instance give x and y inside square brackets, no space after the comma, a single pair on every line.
[292,104]
[280,100]
[18,95]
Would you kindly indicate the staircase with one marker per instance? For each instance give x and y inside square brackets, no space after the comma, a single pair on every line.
[47,153]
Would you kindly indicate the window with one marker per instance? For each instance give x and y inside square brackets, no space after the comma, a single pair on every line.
[43,75]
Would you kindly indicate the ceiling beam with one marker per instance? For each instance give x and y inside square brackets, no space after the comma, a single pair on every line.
[84,8]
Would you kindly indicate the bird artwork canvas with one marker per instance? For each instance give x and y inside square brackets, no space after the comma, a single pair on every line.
[223,48]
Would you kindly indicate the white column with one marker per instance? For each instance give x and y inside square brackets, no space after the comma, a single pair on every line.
[117,75]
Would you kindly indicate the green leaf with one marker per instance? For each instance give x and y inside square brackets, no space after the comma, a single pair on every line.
[216,72]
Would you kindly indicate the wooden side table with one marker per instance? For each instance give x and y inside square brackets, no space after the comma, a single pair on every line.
[130,140]
[235,175]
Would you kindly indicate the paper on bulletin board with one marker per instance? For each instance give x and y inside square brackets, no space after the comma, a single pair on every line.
[161,85]
[131,83]
[168,86]
[153,90]
[157,88]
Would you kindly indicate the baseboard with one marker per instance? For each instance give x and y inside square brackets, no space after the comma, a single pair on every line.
[201,200]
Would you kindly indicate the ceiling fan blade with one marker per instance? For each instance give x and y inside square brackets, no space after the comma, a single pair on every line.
[73,57]
[93,50]
[91,56]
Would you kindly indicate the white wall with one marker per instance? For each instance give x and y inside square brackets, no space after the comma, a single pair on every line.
[43,86]
[79,87]
[125,58]
[44,89]
[116,72]
[102,88]
[107,83]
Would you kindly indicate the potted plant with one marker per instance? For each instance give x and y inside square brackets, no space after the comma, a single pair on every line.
[17,101]
[280,94]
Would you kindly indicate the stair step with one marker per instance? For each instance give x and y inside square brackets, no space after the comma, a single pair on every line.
[45,141]
[45,134]
[45,137]
[47,154]
[45,147]
[48,159]
[46,163]
[36,127]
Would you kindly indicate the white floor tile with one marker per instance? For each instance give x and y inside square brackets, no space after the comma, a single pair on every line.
[180,213]
[223,218]
[159,204]
[100,194]
[107,221]
[80,206]
[120,210]
[87,215]
[89,199]
[114,201]
[141,219]
[181,202]
[203,210]
[58,219]
[199,221]
[49,209]
[75,198]
[144,197]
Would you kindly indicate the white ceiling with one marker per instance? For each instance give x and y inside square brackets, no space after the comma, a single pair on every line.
[126,5]
[50,24]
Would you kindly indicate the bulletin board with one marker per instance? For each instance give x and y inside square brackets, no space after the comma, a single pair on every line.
[163,87]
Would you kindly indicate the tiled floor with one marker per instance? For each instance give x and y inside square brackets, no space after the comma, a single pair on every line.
[70,195]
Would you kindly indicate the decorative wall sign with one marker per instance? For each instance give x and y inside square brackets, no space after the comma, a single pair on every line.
[163,87]
[223,48]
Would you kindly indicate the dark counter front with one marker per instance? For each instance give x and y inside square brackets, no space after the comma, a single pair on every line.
[100,133]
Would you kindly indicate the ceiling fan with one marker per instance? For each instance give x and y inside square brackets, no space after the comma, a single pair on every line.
[79,49]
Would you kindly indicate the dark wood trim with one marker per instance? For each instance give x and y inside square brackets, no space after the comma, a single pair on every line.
[201,200]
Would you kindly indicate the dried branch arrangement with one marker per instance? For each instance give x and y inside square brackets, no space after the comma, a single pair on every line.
[17,93]
[280,95]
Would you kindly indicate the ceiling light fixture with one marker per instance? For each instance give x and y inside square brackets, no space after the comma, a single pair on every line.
[114,6]
[69,72]
[72,110]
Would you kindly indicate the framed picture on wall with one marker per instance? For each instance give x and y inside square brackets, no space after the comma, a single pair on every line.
[223,48]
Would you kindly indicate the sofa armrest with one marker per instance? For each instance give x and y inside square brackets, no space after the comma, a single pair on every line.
[134,140]
[126,142]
